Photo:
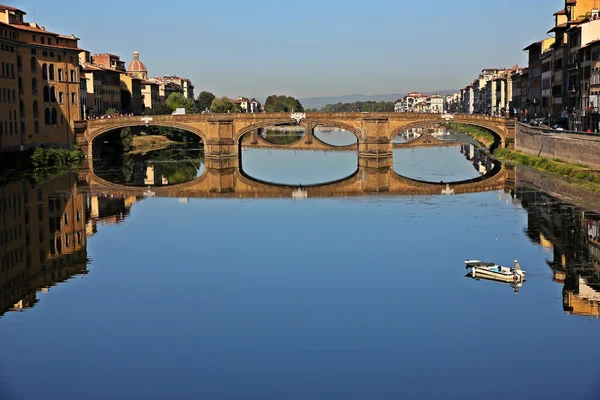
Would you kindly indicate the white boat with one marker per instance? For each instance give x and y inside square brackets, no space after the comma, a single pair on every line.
[480,269]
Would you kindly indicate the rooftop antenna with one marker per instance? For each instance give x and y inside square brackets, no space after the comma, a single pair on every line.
[33,16]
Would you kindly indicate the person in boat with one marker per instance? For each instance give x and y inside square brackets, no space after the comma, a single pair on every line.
[517,266]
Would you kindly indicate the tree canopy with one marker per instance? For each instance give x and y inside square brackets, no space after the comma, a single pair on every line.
[275,103]
[224,105]
[204,100]
[177,100]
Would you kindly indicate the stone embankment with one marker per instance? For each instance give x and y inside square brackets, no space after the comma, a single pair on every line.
[572,147]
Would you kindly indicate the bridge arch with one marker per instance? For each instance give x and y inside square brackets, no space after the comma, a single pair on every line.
[249,128]
[491,126]
[307,124]
[96,132]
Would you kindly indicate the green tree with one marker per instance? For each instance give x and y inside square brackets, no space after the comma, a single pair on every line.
[178,100]
[204,101]
[126,105]
[126,139]
[111,111]
[161,109]
[224,105]
[275,103]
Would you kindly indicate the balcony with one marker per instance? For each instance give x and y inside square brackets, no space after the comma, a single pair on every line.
[573,66]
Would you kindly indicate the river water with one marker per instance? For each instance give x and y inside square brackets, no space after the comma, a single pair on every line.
[122,297]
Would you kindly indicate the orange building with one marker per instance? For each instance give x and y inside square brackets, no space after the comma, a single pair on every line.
[39,84]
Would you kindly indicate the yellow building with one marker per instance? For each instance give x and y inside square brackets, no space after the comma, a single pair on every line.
[42,238]
[150,95]
[103,86]
[39,84]
[134,85]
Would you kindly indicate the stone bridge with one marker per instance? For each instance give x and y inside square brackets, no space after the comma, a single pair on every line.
[221,133]
[226,179]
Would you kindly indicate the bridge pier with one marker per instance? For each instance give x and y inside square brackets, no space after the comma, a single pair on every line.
[309,132]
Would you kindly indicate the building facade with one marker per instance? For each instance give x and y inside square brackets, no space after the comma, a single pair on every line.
[39,84]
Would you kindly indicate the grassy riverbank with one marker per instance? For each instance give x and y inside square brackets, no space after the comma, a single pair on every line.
[577,174]
[143,144]
[479,134]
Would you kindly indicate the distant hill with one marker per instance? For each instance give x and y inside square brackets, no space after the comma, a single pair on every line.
[319,102]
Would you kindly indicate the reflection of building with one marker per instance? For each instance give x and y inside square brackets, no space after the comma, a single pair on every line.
[39,84]
[574,237]
[42,239]
[106,210]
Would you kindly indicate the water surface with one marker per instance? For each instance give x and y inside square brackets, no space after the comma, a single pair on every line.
[338,298]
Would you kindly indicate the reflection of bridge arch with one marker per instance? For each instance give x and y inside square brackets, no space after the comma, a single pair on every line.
[303,143]
[231,182]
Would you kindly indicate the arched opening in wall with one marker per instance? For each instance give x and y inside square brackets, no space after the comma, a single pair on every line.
[444,164]
[152,156]
[284,134]
[336,136]
[46,94]
[47,120]
[287,155]
[44,72]
[476,134]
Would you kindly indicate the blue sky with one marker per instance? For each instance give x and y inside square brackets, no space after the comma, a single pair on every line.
[311,48]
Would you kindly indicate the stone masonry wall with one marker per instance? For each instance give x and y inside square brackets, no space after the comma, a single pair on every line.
[573,147]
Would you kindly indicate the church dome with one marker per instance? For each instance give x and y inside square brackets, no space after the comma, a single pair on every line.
[136,65]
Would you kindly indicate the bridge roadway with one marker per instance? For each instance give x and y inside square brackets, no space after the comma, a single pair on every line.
[311,142]
[221,133]
[226,179]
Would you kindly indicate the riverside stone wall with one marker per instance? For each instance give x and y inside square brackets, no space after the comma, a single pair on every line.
[573,147]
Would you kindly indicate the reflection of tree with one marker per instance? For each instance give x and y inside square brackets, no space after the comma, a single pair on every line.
[127,169]
[177,165]
[279,137]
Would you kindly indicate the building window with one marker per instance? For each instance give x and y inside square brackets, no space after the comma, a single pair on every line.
[34,87]
[43,40]
[36,110]
[44,72]
[20,84]
[51,72]
[60,74]
[53,94]
[47,119]
[36,127]
[54,117]
[73,75]
[33,65]
[46,94]
[73,98]
[22,109]
[61,97]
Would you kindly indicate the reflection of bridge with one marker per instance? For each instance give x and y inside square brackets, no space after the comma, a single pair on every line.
[311,142]
[227,180]
[221,133]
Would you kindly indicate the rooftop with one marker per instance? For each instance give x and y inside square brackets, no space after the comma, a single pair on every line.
[9,8]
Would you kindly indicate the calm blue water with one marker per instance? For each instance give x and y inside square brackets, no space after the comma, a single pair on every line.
[434,164]
[341,298]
